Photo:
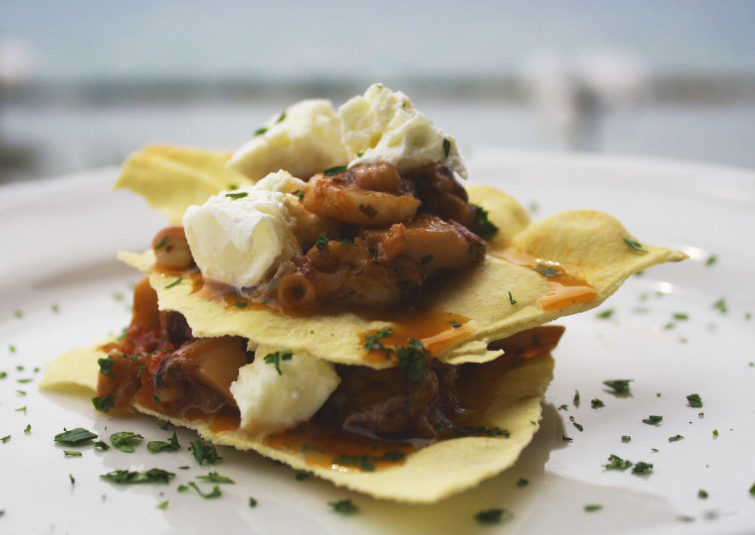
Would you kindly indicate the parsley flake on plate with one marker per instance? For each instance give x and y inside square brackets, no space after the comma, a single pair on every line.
[597,403]
[695,401]
[344,507]
[74,437]
[653,419]
[493,516]
[214,493]
[619,386]
[214,477]
[593,507]
[125,441]
[129,477]
[617,463]
[156,446]
[204,452]
[642,468]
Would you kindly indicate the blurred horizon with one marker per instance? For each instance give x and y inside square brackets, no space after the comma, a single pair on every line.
[83,83]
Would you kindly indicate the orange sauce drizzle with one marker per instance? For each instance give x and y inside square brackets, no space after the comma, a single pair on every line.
[565,289]
[435,328]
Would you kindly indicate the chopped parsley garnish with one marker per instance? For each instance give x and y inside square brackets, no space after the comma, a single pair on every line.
[605,314]
[411,360]
[214,477]
[675,438]
[21,409]
[752,490]
[174,283]
[69,453]
[252,502]
[161,243]
[712,259]
[619,386]
[163,505]
[455,324]
[125,440]
[617,463]
[446,147]
[237,195]
[74,437]
[3,374]
[261,130]
[368,210]
[512,301]
[276,358]
[653,419]
[715,432]
[322,241]
[103,404]
[563,407]
[642,468]
[567,439]
[344,507]
[156,446]
[129,477]
[298,193]
[695,401]
[485,227]
[239,304]
[182,488]
[335,170]
[547,271]
[579,427]
[702,494]
[720,305]
[680,316]
[575,401]
[635,245]
[27,429]
[106,366]
[5,439]
[593,507]
[360,154]
[492,516]
[626,439]
[281,117]
[521,482]
[597,404]
[204,452]
[372,341]
[101,445]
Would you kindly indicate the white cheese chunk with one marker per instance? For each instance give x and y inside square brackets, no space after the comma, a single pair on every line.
[270,401]
[306,141]
[384,126]
[240,237]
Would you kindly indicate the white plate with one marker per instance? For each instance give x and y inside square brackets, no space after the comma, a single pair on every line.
[58,244]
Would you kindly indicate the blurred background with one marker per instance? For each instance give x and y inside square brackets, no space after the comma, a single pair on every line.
[83,83]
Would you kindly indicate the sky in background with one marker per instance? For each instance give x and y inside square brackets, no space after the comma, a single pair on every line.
[371,40]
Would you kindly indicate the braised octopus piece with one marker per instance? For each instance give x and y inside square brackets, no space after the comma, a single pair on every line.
[369,194]
[379,267]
